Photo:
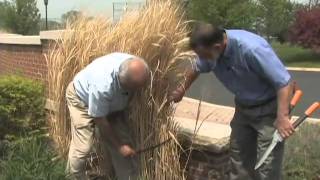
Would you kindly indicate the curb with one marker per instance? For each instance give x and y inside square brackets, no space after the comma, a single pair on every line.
[303,69]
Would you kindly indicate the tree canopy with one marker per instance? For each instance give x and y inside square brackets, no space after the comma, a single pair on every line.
[22,17]
[306,29]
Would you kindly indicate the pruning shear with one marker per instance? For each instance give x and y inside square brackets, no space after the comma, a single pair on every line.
[277,137]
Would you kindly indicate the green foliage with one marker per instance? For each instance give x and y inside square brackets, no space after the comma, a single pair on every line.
[25,152]
[22,17]
[296,56]
[21,105]
[267,17]
[227,13]
[3,7]
[30,158]
[302,156]
[276,16]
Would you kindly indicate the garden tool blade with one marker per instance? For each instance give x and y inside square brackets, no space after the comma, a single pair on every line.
[153,147]
[275,140]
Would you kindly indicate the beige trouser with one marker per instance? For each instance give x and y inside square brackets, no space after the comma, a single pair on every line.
[83,132]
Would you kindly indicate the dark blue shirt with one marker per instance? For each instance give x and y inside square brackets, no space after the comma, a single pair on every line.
[249,68]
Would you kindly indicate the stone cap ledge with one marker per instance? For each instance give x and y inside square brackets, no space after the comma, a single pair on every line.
[52,35]
[212,136]
[19,39]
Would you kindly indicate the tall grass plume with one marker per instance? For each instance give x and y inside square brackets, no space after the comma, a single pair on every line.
[155,34]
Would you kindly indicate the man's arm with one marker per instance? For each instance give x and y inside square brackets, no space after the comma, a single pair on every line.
[198,66]
[98,107]
[264,61]
[283,123]
[177,95]
[107,133]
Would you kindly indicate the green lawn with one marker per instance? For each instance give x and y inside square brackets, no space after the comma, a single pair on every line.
[302,155]
[295,56]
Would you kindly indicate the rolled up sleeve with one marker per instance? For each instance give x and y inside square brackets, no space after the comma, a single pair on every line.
[266,63]
[99,102]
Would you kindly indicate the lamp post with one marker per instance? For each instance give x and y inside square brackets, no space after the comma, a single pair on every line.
[46,4]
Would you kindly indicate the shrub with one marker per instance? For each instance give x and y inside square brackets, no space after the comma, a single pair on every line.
[306,28]
[21,105]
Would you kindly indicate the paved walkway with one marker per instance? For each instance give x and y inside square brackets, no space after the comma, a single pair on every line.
[188,109]
[211,90]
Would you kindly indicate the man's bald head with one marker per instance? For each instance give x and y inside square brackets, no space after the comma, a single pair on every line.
[134,73]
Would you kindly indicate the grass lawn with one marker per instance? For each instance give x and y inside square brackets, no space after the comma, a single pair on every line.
[295,56]
[302,155]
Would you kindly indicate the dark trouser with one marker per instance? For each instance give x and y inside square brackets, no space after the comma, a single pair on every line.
[252,131]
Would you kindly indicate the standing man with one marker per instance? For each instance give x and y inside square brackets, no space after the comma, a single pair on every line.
[248,67]
[98,97]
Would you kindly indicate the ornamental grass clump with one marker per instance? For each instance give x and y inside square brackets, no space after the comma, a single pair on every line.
[155,33]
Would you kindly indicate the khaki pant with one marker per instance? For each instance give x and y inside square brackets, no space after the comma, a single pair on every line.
[252,131]
[83,132]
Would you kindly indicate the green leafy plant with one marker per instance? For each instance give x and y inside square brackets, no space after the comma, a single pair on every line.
[21,105]
[31,158]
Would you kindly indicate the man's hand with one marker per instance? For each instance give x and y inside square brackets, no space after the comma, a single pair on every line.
[176,95]
[283,123]
[126,151]
[284,126]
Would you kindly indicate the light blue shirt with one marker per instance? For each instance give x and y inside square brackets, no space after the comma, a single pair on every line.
[249,68]
[98,85]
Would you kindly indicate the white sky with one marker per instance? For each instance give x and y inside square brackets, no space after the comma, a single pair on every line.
[94,7]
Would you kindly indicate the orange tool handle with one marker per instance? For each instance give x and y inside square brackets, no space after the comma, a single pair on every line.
[312,109]
[308,113]
[296,98]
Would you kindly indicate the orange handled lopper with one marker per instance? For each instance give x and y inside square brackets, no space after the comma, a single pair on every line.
[295,99]
[277,137]
[307,114]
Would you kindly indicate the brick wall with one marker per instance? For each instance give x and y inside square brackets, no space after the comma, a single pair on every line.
[27,60]
[206,165]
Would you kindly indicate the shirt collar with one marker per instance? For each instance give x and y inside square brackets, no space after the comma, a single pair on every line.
[227,54]
[118,85]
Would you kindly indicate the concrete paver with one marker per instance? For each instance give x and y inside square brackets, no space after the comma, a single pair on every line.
[188,108]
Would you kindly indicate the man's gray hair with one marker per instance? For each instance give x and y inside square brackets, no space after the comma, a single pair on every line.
[124,72]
